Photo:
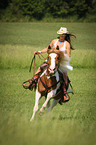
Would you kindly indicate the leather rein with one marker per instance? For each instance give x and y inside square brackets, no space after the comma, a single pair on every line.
[33,60]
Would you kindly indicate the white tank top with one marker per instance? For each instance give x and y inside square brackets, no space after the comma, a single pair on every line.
[64,65]
[62,48]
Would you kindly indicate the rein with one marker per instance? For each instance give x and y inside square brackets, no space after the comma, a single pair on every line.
[46,87]
[33,60]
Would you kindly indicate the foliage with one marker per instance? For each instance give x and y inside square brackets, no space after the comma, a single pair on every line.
[39,9]
[34,8]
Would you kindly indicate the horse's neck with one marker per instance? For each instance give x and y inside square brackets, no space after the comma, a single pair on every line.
[46,73]
[52,82]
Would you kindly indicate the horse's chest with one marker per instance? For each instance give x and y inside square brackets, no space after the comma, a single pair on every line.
[52,82]
[49,84]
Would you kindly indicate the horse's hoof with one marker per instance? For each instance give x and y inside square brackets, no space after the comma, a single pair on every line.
[31,119]
[40,112]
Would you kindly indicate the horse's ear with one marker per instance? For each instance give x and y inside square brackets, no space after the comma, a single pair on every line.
[49,47]
[57,47]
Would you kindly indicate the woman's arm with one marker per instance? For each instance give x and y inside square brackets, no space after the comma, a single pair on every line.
[45,49]
[42,51]
[68,49]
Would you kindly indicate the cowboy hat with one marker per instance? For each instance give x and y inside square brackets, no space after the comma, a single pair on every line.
[62,30]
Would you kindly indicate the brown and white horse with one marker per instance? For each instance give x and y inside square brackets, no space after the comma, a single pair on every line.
[49,82]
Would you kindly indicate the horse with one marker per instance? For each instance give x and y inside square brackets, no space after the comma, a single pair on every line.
[49,84]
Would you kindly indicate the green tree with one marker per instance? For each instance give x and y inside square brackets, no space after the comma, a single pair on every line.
[39,8]
[81,8]
[33,8]
[57,8]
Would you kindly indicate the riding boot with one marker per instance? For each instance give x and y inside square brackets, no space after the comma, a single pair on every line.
[65,86]
[66,97]
[66,82]
[36,76]
[33,81]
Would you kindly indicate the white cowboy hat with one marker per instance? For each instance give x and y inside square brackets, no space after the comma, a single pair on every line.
[62,30]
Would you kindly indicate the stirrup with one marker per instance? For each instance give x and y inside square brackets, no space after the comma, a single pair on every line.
[67,96]
[32,82]
[29,86]
[70,90]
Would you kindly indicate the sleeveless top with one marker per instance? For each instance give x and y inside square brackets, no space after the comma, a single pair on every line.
[62,48]
[64,65]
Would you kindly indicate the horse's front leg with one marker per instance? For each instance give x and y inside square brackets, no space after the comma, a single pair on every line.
[49,96]
[37,98]
[54,103]
[48,104]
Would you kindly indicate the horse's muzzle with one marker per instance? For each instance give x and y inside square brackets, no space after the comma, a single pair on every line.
[52,71]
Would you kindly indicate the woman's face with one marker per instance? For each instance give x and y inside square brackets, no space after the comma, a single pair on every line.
[62,37]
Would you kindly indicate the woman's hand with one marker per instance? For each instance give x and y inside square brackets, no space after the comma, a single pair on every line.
[37,52]
[42,51]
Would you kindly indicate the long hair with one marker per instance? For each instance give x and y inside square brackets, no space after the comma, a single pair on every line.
[68,38]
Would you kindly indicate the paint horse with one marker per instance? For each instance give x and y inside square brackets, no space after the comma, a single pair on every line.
[48,84]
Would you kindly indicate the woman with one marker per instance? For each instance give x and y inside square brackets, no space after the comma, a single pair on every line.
[64,43]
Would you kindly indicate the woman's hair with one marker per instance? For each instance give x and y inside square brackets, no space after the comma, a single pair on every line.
[68,38]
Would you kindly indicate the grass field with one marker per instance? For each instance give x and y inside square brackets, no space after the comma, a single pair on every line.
[73,123]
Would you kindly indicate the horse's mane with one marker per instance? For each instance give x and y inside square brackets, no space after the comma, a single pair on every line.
[54,50]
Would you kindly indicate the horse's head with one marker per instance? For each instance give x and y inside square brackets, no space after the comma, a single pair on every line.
[54,57]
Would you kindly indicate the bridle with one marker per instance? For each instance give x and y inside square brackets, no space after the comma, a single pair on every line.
[56,64]
[45,86]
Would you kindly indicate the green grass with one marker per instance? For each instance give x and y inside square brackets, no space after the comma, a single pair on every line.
[72,123]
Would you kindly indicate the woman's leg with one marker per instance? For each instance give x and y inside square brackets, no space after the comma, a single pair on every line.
[37,75]
[65,87]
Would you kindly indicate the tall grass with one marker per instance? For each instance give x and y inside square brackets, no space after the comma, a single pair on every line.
[18,56]
[70,124]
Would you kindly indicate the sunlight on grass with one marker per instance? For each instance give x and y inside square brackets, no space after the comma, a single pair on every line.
[20,57]
[84,58]
[16,56]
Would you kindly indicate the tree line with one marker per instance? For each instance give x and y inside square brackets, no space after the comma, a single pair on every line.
[38,9]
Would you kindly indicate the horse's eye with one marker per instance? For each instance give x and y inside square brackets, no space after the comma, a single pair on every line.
[48,57]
